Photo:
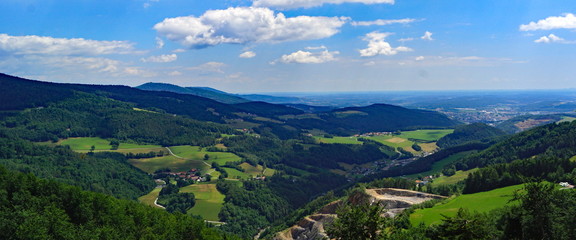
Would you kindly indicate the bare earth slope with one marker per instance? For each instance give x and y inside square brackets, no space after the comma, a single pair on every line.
[395,200]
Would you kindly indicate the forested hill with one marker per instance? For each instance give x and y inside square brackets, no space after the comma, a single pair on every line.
[33,208]
[388,118]
[20,94]
[554,140]
[197,91]
[479,132]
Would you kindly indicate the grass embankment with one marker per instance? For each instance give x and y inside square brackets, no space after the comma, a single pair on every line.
[209,200]
[480,202]
[84,144]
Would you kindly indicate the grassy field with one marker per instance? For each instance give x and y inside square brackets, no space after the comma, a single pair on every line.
[198,153]
[426,135]
[480,202]
[404,140]
[438,166]
[235,174]
[208,200]
[258,170]
[149,198]
[459,176]
[342,140]
[85,143]
[175,164]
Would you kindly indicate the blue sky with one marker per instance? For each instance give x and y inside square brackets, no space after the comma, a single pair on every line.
[294,45]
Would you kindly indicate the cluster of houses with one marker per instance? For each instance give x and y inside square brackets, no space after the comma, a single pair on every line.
[425,180]
[192,174]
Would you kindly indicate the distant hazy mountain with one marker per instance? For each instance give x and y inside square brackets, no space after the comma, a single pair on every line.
[206,92]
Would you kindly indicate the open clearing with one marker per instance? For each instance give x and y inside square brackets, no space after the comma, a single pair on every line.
[187,157]
[149,198]
[208,200]
[426,135]
[459,176]
[175,164]
[258,170]
[198,153]
[479,202]
[425,138]
[342,140]
[85,143]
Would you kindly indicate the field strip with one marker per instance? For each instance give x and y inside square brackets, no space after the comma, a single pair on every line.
[171,153]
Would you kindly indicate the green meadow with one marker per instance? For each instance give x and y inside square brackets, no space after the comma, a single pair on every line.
[459,176]
[479,202]
[175,164]
[426,135]
[209,200]
[84,144]
[404,139]
[342,140]
[198,153]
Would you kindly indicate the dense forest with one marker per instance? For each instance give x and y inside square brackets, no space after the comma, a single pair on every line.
[471,132]
[108,173]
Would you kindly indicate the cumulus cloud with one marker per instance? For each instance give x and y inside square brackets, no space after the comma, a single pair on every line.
[419,58]
[248,54]
[551,39]
[567,21]
[382,22]
[243,25]
[309,56]
[289,4]
[38,45]
[427,36]
[161,59]
[377,45]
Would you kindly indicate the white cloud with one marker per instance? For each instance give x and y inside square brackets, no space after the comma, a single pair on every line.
[248,54]
[246,25]
[179,50]
[378,46]
[427,36]
[419,58]
[551,39]
[161,59]
[567,21]
[159,43]
[175,73]
[405,39]
[212,67]
[37,45]
[309,57]
[289,4]
[382,22]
